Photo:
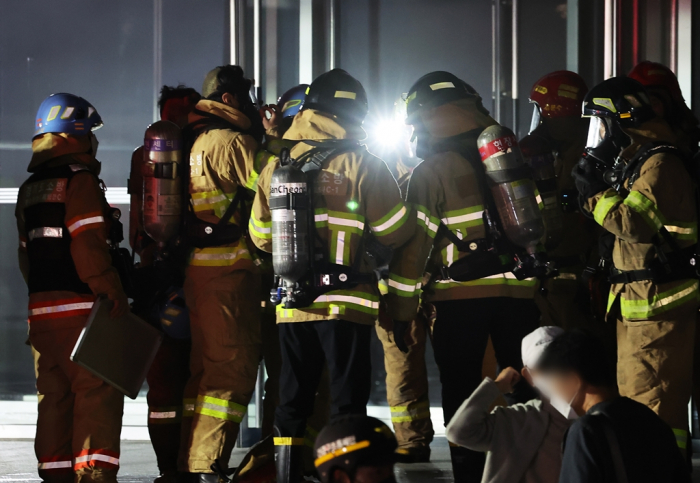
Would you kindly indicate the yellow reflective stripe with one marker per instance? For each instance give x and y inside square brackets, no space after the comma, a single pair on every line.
[219,256]
[430,223]
[605,203]
[643,309]
[390,222]
[220,408]
[499,279]
[260,229]
[288,441]
[645,208]
[683,230]
[405,414]
[402,286]
[215,200]
[340,452]
[383,287]
[343,299]
[681,437]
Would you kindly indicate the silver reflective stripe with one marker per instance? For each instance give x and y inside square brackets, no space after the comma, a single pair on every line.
[218,256]
[97,457]
[61,308]
[53,465]
[45,232]
[85,221]
[162,414]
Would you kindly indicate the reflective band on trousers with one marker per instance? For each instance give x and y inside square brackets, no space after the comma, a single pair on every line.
[405,414]
[681,437]
[61,308]
[97,457]
[45,232]
[55,465]
[340,452]
[288,441]
[220,408]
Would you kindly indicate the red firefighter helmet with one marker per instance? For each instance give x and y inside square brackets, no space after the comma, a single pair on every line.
[559,94]
[653,74]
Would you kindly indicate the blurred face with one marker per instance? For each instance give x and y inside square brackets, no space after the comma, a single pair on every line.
[565,391]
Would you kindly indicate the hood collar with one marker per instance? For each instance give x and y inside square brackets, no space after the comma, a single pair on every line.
[655,130]
[454,118]
[225,112]
[316,125]
[47,147]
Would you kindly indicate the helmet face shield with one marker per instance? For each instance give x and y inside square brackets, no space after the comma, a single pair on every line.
[598,131]
[536,116]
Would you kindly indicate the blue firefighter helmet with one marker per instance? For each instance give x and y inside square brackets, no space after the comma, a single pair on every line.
[292,101]
[173,314]
[66,113]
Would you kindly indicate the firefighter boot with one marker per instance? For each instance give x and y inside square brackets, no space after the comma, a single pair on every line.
[288,458]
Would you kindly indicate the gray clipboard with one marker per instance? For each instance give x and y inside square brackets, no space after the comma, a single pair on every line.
[118,351]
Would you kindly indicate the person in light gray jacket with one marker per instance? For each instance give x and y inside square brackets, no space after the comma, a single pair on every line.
[523,441]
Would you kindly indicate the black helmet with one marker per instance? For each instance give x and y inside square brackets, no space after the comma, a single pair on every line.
[436,89]
[349,442]
[337,92]
[613,105]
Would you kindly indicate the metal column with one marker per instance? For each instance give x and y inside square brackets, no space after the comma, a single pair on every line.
[684,52]
[306,51]
[233,32]
[514,68]
[157,55]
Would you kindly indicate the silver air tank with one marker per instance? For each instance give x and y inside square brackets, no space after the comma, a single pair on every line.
[539,156]
[289,207]
[162,184]
[513,190]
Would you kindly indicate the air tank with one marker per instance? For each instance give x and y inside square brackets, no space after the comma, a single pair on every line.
[539,156]
[512,187]
[162,183]
[289,207]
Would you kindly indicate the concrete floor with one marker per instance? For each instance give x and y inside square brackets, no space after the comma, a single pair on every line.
[17,463]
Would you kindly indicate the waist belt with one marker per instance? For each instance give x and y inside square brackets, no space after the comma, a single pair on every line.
[681,266]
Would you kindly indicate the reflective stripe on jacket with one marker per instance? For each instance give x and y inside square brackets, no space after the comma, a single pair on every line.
[221,162]
[355,192]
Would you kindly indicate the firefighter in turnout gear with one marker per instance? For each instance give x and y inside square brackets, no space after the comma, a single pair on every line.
[634,183]
[221,281]
[169,371]
[63,221]
[355,201]
[406,371]
[449,188]
[558,135]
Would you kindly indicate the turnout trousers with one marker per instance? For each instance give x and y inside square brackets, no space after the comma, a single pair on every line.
[407,386]
[655,366]
[460,336]
[306,348]
[166,379]
[80,416]
[225,326]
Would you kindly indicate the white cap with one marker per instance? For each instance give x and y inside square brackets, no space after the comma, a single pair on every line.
[536,342]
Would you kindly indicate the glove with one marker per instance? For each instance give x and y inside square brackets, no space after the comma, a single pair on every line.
[121,303]
[589,181]
[400,329]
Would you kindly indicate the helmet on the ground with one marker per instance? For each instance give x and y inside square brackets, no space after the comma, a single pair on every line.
[655,75]
[173,314]
[613,105]
[67,114]
[349,442]
[338,93]
[292,101]
[436,89]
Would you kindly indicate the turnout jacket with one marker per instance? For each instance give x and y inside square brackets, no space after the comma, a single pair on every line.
[663,195]
[222,161]
[445,187]
[355,193]
[62,223]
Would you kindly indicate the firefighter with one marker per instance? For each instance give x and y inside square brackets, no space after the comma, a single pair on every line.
[169,371]
[406,370]
[634,183]
[668,103]
[448,188]
[63,221]
[221,280]
[356,448]
[356,201]
[558,135]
